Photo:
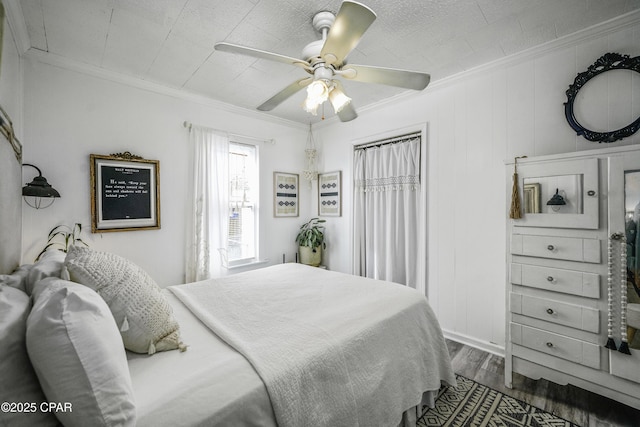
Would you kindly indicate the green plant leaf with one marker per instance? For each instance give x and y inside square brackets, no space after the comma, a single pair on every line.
[54,231]
[64,236]
[44,250]
[311,233]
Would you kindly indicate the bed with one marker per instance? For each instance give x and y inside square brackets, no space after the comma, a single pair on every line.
[371,355]
[285,345]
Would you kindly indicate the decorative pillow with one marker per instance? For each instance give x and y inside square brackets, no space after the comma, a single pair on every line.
[17,279]
[19,384]
[140,309]
[77,353]
[50,264]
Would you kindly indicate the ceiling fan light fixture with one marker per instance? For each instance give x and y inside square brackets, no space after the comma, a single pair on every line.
[310,107]
[338,99]
[317,93]
[326,58]
[318,90]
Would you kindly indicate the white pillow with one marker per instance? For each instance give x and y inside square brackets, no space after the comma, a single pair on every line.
[50,264]
[17,279]
[77,353]
[18,384]
[140,309]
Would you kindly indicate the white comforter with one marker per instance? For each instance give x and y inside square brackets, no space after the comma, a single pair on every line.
[332,349]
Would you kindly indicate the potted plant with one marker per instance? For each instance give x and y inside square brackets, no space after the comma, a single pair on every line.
[63,236]
[310,241]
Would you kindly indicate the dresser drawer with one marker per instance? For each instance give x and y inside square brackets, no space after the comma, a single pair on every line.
[565,248]
[556,279]
[574,316]
[561,346]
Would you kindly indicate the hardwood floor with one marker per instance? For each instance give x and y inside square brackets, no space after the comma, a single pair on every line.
[571,403]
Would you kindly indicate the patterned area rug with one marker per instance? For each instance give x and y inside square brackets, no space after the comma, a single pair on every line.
[472,404]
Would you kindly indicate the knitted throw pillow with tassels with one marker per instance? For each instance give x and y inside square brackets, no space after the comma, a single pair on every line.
[141,311]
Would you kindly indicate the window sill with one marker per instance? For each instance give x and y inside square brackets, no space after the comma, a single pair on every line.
[246,264]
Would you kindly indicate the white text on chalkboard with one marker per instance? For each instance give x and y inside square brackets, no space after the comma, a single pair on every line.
[121,189]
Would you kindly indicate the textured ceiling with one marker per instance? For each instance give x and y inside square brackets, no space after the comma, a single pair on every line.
[171,41]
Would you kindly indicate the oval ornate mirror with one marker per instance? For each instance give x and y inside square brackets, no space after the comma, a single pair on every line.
[608,62]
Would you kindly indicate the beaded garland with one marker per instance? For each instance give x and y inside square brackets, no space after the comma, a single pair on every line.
[624,345]
[611,344]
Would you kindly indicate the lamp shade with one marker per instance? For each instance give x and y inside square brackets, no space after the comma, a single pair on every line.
[39,188]
[317,93]
[556,200]
[338,99]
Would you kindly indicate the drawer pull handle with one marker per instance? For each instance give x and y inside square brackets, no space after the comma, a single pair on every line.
[549,278]
[549,311]
[549,344]
[591,193]
[551,247]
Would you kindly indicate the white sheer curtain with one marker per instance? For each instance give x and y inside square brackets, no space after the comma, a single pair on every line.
[207,225]
[387,201]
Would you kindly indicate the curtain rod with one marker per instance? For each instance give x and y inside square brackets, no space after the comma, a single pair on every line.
[387,141]
[189,125]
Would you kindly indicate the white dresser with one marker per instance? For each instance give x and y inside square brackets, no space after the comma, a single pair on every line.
[558,293]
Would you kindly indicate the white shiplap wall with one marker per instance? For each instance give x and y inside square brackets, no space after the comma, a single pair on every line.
[11,78]
[476,121]
[10,170]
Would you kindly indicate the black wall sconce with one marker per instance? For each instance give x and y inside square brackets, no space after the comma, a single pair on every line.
[556,201]
[39,189]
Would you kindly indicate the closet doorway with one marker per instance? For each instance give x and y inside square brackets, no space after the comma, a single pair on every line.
[390,210]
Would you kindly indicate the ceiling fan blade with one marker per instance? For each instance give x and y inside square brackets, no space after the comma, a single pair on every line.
[386,76]
[347,113]
[261,54]
[352,21]
[284,94]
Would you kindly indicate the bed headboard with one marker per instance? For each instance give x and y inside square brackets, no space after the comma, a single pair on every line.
[10,206]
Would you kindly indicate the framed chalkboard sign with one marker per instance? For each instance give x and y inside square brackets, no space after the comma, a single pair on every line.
[125,193]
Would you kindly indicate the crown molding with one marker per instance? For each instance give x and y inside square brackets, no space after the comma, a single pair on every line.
[138,83]
[16,22]
[597,30]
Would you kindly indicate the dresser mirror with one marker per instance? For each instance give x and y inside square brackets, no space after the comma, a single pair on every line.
[632,223]
[623,293]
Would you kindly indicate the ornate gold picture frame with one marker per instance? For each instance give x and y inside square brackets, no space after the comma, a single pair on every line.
[125,193]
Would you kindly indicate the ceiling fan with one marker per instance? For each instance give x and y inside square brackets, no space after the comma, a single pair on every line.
[325,59]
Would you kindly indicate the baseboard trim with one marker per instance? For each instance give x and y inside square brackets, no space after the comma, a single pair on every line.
[489,347]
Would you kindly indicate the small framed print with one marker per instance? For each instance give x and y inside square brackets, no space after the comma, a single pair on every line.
[330,194]
[285,194]
[125,193]
[532,198]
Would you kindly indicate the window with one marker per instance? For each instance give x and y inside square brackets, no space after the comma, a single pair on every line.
[242,247]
